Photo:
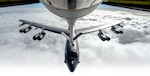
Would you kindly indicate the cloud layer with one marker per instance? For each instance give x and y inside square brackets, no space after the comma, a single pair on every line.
[130,48]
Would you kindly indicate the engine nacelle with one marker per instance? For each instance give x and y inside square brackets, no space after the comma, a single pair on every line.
[22,24]
[103,37]
[115,30]
[39,36]
[25,30]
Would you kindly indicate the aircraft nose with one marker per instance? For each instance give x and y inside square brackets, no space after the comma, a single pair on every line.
[72,69]
[72,65]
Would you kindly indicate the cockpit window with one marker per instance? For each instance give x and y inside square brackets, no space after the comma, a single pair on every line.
[72,55]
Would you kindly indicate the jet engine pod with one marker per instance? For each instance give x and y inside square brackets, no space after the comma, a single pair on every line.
[39,36]
[102,36]
[71,8]
[115,30]
[25,30]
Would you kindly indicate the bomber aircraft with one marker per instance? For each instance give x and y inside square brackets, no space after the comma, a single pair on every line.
[71,10]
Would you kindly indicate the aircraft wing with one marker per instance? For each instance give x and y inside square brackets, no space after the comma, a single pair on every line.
[44,27]
[97,28]
[100,27]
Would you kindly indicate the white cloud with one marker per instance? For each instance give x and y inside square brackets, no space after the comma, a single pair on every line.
[131,48]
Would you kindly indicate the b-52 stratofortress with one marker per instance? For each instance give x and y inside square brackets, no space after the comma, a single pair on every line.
[71,10]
